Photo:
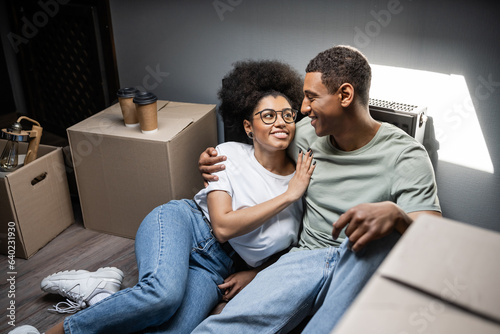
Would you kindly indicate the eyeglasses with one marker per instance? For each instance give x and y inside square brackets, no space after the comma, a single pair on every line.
[269,116]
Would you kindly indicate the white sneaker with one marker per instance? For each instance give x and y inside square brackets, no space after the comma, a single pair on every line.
[80,286]
[26,329]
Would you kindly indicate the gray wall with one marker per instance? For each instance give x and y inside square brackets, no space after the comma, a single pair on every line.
[181,49]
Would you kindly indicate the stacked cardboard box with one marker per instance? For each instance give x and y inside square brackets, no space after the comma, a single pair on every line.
[122,173]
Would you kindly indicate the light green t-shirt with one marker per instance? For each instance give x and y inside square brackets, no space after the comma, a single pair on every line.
[391,167]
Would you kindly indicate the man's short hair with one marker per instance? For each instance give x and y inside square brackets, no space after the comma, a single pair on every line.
[343,64]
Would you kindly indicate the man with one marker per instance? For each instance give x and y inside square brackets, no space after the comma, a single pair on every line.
[371,181]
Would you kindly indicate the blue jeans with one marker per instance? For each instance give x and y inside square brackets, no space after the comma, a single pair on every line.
[180,265]
[322,282]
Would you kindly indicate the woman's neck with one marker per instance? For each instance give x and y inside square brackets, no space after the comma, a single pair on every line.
[277,162]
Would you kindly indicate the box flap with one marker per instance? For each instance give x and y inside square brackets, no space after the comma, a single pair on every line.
[172,120]
[449,260]
[388,307]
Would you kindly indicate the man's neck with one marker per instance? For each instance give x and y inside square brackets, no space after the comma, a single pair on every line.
[355,133]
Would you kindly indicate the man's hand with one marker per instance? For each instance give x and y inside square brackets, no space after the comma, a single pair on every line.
[206,165]
[370,221]
[235,283]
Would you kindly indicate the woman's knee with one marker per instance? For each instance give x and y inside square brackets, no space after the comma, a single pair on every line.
[159,301]
[156,219]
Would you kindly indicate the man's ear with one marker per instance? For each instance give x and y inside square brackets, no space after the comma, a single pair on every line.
[346,91]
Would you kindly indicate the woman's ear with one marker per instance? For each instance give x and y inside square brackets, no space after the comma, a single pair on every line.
[247,126]
[346,94]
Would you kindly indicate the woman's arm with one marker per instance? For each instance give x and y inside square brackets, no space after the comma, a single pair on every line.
[228,224]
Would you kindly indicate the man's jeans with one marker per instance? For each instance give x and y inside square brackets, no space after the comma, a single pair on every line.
[322,282]
[180,265]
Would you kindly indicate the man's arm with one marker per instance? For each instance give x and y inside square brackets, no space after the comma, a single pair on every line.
[207,165]
[371,221]
[414,216]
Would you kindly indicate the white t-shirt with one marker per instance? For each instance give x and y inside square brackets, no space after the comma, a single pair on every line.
[249,183]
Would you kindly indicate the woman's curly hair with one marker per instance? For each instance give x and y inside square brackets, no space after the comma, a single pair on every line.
[247,83]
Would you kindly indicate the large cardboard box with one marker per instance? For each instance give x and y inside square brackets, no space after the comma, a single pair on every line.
[35,205]
[441,277]
[122,174]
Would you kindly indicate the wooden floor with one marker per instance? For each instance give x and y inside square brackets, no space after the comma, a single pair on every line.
[74,248]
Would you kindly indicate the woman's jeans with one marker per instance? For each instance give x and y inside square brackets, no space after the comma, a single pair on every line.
[180,265]
[323,282]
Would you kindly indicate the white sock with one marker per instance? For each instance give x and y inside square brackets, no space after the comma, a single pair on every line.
[98,297]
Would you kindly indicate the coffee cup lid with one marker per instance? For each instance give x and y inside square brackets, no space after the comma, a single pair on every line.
[145,98]
[127,92]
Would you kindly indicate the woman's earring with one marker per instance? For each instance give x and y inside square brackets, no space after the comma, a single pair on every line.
[250,135]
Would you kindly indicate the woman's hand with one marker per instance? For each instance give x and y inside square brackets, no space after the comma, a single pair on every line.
[235,283]
[303,171]
[207,164]
[228,223]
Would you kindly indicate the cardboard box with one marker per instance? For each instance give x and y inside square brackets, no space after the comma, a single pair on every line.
[122,174]
[441,277]
[35,200]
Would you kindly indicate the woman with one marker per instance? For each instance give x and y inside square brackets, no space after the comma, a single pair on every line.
[185,249]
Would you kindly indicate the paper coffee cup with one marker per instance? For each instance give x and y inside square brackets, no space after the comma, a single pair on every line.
[126,100]
[147,112]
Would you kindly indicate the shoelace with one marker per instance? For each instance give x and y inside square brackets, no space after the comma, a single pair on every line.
[74,303]
[75,296]
[67,307]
